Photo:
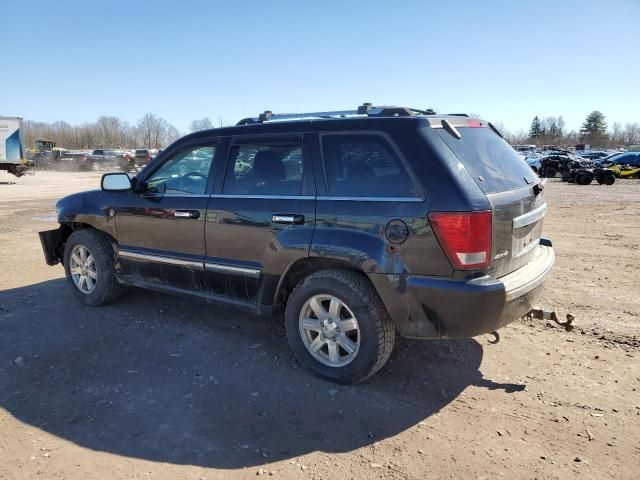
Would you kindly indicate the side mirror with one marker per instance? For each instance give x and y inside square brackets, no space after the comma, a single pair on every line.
[115,182]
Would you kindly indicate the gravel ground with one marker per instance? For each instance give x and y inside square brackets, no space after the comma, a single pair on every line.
[162,387]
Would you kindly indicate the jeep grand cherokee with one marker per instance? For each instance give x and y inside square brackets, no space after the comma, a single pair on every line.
[354,224]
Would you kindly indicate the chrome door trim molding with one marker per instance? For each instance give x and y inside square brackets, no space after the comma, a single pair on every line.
[326,198]
[266,197]
[530,217]
[177,195]
[160,259]
[373,199]
[219,267]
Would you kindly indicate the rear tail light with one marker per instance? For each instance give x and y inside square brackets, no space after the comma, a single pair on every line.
[465,237]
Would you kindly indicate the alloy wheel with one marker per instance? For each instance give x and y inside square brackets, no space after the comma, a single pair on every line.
[83,269]
[329,330]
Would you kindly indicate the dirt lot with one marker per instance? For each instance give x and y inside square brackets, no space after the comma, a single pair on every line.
[160,387]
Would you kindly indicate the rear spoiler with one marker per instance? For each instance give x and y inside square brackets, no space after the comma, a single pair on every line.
[451,124]
[455,121]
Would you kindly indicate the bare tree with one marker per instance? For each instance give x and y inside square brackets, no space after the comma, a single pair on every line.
[152,131]
[631,134]
[202,124]
[111,132]
[171,134]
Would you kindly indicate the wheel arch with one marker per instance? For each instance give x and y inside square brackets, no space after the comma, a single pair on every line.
[298,271]
[54,241]
[383,285]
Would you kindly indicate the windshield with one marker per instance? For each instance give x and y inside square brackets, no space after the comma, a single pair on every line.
[491,161]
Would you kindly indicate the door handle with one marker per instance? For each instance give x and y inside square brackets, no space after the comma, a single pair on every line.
[186,214]
[288,219]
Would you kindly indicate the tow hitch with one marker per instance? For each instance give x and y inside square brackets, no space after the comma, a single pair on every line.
[540,314]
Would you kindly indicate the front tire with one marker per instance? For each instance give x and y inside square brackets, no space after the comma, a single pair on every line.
[338,327]
[89,265]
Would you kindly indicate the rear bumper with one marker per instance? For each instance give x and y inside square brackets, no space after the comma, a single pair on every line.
[110,164]
[434,307]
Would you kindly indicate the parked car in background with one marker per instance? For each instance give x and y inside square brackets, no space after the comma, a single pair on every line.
[333,219]
[141,157]
[74,160]
[592,155]
[526,149]
[535,163]
[626,158]
[101,159]
[609,159]
[557,162]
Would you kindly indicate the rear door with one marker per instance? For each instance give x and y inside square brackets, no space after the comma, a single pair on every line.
[512,188]
[263,217]
[371,211]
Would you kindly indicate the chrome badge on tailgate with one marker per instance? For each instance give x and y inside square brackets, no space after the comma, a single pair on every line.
[527,230]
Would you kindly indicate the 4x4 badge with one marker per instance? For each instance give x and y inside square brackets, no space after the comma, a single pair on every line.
[501,255]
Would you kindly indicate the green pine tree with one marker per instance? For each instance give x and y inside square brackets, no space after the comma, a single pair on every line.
[536,129]
[594,129]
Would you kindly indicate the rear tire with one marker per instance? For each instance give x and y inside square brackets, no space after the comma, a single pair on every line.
[610,179]
[584,179]
[372,333]
[89,265]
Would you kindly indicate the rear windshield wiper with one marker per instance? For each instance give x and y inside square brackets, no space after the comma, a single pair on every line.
[451,129]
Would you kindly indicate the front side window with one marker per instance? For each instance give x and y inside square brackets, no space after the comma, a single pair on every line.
[364,165]
[264,169]
[186,172]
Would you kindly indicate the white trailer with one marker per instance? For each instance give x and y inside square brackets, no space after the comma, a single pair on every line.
[11,146]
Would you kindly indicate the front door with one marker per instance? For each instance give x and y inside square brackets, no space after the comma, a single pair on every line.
[160,226]
[263,219]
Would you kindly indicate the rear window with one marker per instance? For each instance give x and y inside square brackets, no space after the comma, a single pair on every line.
[492,162]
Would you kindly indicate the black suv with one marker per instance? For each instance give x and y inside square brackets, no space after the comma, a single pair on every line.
[354,224]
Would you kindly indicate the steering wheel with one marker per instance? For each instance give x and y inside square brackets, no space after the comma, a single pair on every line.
[192,175]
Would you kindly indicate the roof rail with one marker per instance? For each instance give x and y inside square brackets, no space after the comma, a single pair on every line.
[366,109]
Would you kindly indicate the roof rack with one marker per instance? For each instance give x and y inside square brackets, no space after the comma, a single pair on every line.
[366,109]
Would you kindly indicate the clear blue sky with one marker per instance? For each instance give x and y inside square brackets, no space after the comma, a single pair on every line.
[504,60]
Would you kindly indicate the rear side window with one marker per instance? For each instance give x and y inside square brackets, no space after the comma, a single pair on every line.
[264,169]
[364,165]
[494,165]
